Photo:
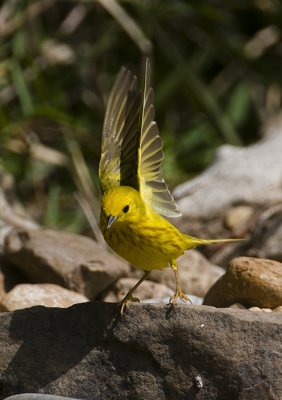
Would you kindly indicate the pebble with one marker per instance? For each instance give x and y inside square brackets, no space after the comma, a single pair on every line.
[254,309]
[237,306]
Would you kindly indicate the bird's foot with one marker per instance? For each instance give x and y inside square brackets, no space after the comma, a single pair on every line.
[128,299]
[179,295]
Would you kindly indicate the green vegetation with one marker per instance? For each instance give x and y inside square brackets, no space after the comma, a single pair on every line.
[217,78]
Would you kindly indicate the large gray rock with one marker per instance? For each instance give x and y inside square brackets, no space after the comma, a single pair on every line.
[154,352]
[249,175]
[73,261]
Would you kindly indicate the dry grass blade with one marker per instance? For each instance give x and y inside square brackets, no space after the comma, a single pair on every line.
[128,24]
[88,212]
[88,197]
[73,20]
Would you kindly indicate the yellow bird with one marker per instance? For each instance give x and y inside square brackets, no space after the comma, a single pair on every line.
[135,194]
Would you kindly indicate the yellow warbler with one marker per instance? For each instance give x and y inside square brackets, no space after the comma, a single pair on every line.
[134,192]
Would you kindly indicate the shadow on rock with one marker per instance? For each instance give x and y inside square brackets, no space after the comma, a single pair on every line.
[52,341]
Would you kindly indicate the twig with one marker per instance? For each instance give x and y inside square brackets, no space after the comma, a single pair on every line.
[73,20]
[9,217]
[38,151]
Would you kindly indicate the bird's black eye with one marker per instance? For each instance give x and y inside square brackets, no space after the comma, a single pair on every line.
[125,209]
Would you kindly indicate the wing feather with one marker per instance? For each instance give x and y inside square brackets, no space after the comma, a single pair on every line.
[152,186]
[118,163]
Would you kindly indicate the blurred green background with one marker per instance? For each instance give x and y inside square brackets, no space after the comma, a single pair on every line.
[216,76]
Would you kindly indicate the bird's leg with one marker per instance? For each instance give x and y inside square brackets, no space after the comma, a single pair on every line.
[129,298]
[178,292]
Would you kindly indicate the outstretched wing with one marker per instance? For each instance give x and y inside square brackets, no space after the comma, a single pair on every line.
[131,145]
[118,163]
[152,186]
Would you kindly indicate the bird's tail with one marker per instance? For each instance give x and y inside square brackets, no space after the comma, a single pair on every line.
[193,242]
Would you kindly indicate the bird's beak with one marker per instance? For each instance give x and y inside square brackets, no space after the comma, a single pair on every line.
[110,221]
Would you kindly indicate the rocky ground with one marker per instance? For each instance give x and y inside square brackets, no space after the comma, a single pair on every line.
[155,352]
[229,347]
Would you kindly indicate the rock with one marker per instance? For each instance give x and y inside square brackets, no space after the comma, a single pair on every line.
[36,396]
[267,237]
[44,294]
[73,261]
[153,352]
[146,290]
[278,309]
[238,219]
[249,281]
[265,241]
[236,177]
[196,274]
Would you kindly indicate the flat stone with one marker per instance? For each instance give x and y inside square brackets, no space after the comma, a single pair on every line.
[249,281]
[73,261]
[44,294]
[147,290]
[154,352]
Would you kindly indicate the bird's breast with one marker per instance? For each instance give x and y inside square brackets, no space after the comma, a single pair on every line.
[144,245]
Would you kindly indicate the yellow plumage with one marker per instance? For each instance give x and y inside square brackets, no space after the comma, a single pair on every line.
[134,192]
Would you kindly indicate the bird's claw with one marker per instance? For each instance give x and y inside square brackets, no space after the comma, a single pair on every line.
[179,295]
[128,299]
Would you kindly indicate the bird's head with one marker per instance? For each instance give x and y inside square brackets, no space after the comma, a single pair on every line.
[122,204]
